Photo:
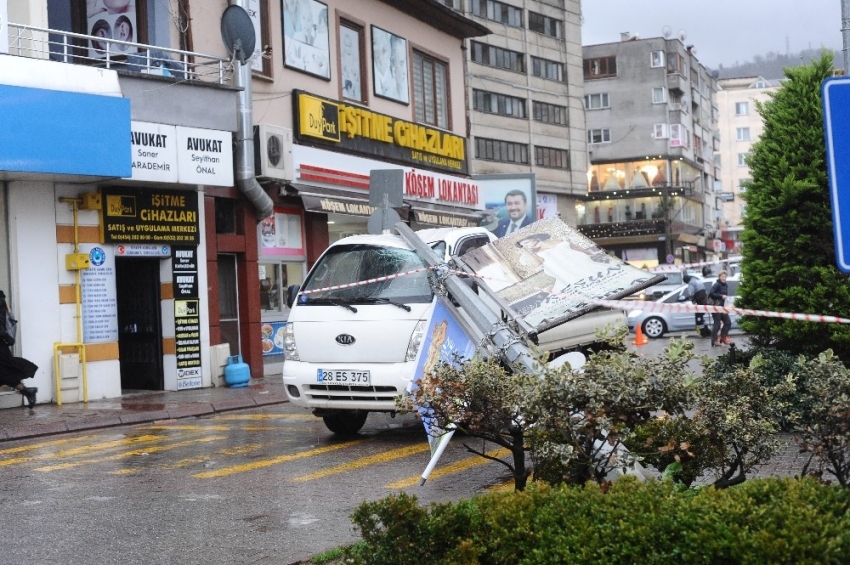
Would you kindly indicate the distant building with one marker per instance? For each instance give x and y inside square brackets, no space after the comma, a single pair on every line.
[651,134]
[524,91]
[740,126]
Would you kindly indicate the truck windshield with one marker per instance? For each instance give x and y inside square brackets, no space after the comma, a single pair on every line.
[346,264]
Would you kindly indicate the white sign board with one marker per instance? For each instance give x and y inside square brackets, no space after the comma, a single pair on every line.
[143,250]
[204,156]
[99,295]
[154,150]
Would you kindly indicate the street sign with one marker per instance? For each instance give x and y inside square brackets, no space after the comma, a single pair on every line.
[836,125]
[670,259]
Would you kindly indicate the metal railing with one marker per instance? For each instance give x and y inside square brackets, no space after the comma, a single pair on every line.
[103,52]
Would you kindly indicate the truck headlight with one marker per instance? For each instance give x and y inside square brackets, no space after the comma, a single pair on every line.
[290,350]
[415,341]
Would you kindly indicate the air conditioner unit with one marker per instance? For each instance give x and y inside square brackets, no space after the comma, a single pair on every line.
[273,152]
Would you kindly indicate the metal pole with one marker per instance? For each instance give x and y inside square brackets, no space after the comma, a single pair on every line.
[845,33]
[487,321]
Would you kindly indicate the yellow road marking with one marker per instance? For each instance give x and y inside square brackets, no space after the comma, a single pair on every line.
[502,487]
[258,417]
[452,468]
[202,458]
[223,472]
[124,472]
[363,462]
[191,428]
[34,446]
[84,449]
[117,456]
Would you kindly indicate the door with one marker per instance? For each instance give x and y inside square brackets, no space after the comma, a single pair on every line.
[228,302]
[139,323]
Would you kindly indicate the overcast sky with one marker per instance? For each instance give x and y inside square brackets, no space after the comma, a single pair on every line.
[722,31]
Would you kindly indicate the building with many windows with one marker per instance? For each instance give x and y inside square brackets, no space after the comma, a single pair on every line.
[524,88]
[740,126]
[651,135]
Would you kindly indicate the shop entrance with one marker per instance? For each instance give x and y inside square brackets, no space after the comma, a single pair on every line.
[139,323]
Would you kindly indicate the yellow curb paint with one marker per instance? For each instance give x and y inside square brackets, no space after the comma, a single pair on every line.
[273,461]
[363,462]
[452,468]
[117,456]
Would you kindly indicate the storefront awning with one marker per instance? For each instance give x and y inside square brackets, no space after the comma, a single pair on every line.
[430,214]
[332,201]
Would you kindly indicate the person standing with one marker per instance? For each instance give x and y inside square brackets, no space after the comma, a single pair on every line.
[517,208]
[719,293]
[14,369]
[699,296]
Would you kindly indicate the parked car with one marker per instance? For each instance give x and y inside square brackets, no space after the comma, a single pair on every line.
[674,281]
[656,324]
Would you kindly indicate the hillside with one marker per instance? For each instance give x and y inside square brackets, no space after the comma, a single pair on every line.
[771,64]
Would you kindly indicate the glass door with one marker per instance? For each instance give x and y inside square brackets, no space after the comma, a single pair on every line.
[228,302]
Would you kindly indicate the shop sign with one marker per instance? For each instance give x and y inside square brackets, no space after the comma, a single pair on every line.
[547,206]
[149,216]
[99,295]
[421,185]
[154,150]
[143,250]
[204,156]
[187,326]
[360,130]
[281,233]
[727,196]
[273,338]
[445,220]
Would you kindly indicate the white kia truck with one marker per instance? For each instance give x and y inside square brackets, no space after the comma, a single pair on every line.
[351,348]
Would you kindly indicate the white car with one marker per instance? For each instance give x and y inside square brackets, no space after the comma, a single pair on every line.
[674,281]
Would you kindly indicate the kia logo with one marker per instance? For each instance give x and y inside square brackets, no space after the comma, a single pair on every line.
[345,339]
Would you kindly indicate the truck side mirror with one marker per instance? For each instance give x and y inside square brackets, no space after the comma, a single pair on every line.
[292,294]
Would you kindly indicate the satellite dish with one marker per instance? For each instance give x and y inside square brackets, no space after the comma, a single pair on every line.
[667,31]
[683,35]
[237,33]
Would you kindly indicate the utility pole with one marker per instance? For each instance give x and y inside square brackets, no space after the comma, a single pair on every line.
[845,33]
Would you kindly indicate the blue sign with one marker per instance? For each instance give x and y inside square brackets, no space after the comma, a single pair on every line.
[836,125]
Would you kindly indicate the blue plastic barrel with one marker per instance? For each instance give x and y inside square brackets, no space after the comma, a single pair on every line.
[236,373]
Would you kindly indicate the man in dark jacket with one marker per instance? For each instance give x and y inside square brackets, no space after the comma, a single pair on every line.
[719,293]
[14,369]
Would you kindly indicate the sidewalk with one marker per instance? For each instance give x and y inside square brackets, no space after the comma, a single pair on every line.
[136,408]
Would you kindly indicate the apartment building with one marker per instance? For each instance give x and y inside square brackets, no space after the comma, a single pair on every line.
[740,126]
[524,93]
[651,133]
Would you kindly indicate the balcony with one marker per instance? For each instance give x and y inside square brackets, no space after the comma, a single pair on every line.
[102,52]
[676,83]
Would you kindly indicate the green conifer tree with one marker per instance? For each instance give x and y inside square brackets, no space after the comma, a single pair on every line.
[789,253]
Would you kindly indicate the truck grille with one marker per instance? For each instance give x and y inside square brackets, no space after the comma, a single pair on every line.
[341,392]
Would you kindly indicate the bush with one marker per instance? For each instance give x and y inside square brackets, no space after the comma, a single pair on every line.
[760,521]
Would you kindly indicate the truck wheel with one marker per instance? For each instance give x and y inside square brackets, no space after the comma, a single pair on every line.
[345,422]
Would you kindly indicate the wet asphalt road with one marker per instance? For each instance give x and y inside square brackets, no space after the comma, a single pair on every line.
[264,486]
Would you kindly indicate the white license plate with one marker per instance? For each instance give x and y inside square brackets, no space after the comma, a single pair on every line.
[343,377]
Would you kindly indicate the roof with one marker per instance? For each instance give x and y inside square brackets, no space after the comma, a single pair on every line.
[440,17]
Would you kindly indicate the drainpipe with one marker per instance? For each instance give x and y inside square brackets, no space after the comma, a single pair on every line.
[245,174]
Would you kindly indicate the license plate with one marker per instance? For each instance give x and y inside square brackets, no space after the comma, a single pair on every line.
[343,377]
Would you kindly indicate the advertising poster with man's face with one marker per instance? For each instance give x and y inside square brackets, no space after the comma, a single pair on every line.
[111,20]
[510,202]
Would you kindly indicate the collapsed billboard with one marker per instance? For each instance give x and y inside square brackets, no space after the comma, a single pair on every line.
[547,271]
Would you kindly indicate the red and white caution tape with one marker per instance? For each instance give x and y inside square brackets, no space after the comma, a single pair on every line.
[642,305]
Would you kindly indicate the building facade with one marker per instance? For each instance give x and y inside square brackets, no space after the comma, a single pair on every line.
[652,121]
[740,126]
[335,90]
[524,96]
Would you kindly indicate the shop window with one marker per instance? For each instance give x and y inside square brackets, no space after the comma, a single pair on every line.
[275,278]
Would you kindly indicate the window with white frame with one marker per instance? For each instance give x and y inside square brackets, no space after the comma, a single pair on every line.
[656,59]
[602,135]
[742,108]
[679,136]
[742,184]
[596,101]
[659,95]
[743,209]
[742,134]
[742,159]
[717,160]
[659,131]
[760,84]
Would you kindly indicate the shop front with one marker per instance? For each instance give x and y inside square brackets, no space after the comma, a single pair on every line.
[336,148]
